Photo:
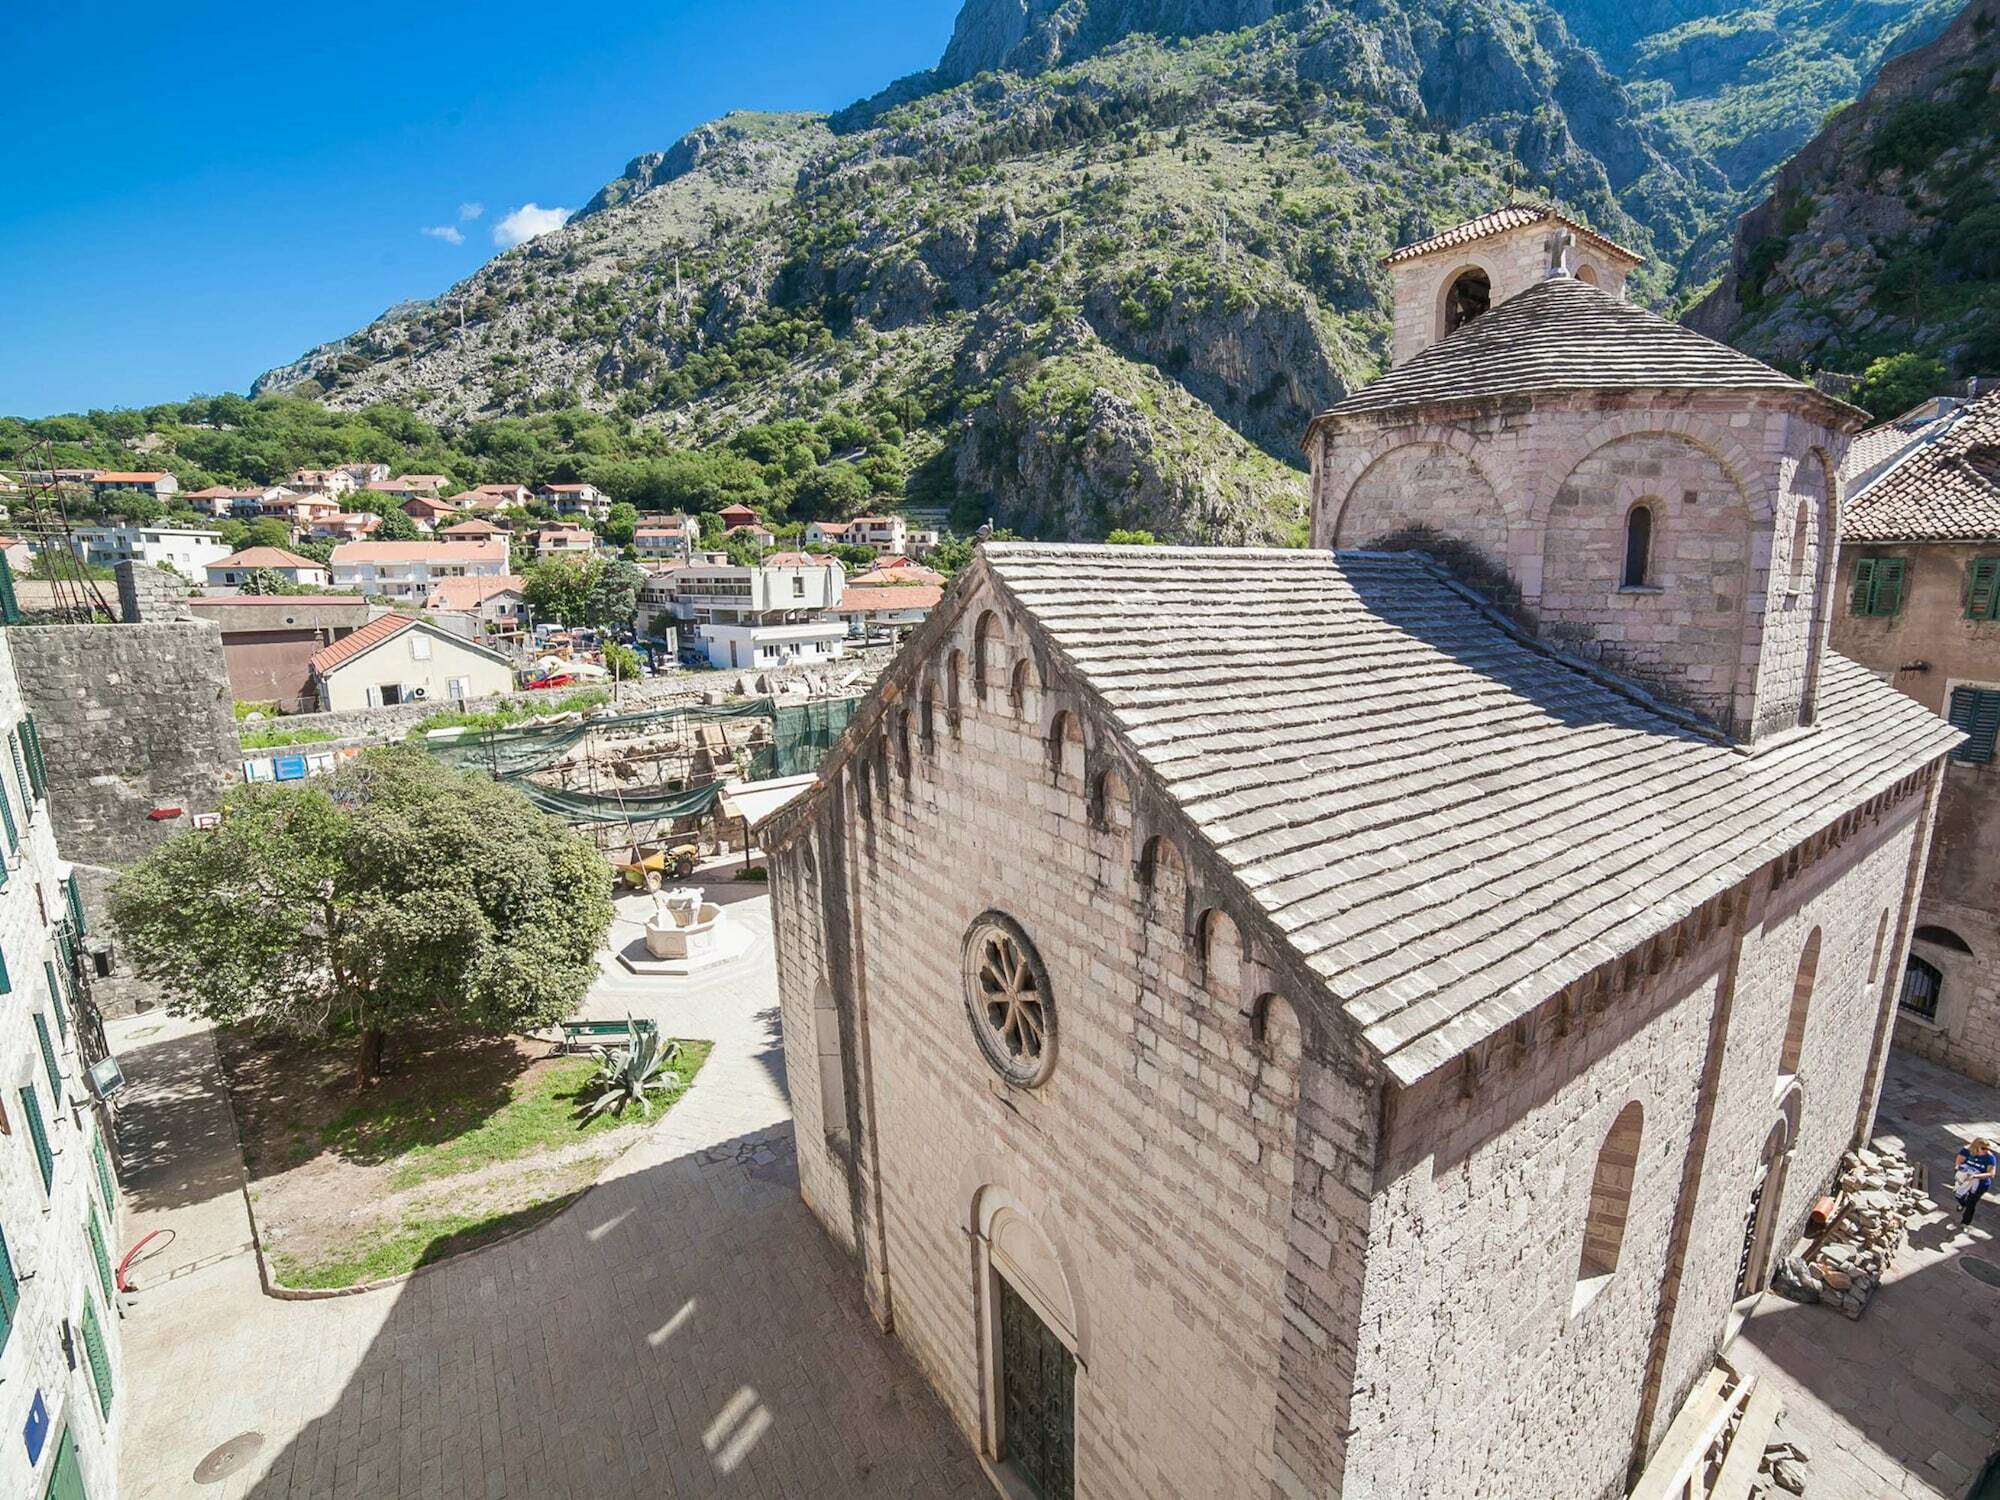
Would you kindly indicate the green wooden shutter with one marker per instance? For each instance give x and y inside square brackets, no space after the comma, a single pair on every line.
[75,899]
[6,979]
[21,774]
[49,1057]
[67,948]
[94,1227]
[101,1159]
[1983,592]
[38,1132]
[38,771]
[1977,712]
[7,816]
[10,604]
[1863,588]
[100,1357]
[10,1290]
[1888,586]
[54,979]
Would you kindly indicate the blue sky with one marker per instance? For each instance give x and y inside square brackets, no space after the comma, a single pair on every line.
[191,194]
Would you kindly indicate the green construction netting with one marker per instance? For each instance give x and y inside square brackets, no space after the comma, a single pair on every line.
[801,733]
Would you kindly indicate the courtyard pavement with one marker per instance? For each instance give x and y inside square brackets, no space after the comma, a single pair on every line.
[1906,1400]
[684,1329]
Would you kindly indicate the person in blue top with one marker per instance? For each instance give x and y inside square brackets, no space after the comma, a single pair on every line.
[1973,1174]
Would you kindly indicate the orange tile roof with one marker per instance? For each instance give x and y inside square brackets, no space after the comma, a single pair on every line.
[348,647]
[473,527]
[141,476]
[265,557]
[889,597]
[470,593]
[487,549]
[1516,215]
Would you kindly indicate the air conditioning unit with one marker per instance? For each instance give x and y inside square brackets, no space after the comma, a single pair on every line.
[416,692]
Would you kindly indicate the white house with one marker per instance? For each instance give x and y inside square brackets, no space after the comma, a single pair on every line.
[152,482]
[228,573]
[399,658]
[410,570]
[888,535]
[186,550]
[665,538]
[577,500]
[564,541]
[498,604]
[886,612]
[334,482]
[764,616]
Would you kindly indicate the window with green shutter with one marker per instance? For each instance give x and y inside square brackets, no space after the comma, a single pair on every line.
[67,949]
[1877,587]
[31,741]
[6,979]
[10,602]
[1977,712]
[21,773]
[49,1057]
[75,899]
[100,1156]
[56,997]
[38,1132]
[7,818]
[10,1290]
[100,1357]
[1982,589]
[94,1227]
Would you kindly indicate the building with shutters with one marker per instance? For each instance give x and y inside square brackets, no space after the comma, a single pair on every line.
[1919,593]
[1364,1020]
[60,1396]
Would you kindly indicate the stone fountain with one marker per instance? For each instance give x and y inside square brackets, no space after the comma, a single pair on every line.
[685,933]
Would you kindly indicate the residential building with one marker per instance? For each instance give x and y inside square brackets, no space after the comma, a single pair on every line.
[345,525]
[230,500]
[228,573]
[577,500]
[428,512]
[410,570]
[269,640]
[889,535]
[770,615]
[152,482]
[186,550]
[564,541]
[497,603]
[62,1394]
[500,496]
[665,538]
[1334,932]
[1918,603]
[737,515]
[885,612]
[826,533]
[333,482]
[763,536]
[399,658]
[896,570]
[476,527]
[365,473]
[299,512]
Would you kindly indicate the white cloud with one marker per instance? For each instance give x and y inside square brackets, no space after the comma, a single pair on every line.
[470,211]
[525,222]
[446,232]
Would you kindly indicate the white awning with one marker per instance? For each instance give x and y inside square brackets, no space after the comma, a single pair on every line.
[754,801]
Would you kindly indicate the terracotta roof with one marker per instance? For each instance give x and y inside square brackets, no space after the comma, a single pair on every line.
[470,593]
[868,599]
[312,601]
[473,527]
[1516,215]
[265,557]
[797,560]
[486,550]
[1564,335]
[1482,820]
[1941,485]
[566,489]
[348,647]
[140,476]
[898,578]
[430,502]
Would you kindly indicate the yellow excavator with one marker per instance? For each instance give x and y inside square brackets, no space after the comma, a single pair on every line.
[650,865]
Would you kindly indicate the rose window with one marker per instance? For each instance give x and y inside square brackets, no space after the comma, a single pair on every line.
[1007,998]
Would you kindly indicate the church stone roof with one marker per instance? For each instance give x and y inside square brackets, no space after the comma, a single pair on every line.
[1940,483]
[1562,335]
[1447,820]
[1516,215]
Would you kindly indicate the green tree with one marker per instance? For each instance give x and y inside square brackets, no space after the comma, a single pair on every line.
[612,599]
[620,524]
[622,661]
[137,509]
[559,589]
[404,893]
[263,581]
[1118,537]
[1893,384]
[268,531]
[835,490]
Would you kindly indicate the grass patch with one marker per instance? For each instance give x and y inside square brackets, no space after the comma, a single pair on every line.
[414,1242]
[271,739]
[449,1134]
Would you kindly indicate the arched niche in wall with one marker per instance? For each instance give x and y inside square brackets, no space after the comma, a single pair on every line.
[1610,1204]
[1221,954]
[1023,691]
[1110,802]
[988,649]
[1430,485]
[1163,876]
[1065,745]
[1465,294]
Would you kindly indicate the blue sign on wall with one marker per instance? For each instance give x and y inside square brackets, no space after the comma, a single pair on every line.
[36,1433]
[290,767]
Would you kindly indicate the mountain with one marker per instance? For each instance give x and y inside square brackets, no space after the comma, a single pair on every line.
[1098,267]
[1882,236]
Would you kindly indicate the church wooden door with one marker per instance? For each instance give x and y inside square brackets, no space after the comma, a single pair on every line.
[1038,1400]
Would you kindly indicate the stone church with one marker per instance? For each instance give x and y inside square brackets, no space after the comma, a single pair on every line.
[1360,1021]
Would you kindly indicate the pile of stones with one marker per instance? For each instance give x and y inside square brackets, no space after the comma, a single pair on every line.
[1782,1471]
[1881,1195]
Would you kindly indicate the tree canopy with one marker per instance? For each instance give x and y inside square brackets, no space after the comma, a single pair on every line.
[400,892]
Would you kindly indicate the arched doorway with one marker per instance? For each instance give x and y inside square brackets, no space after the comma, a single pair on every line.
[1767,1192]
[1031,1335]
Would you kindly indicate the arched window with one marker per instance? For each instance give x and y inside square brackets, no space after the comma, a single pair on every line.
[832,1080]
[1018,685]
[1470,295]
[983,653]
[1943,937]
[1587,275]
[1610,1200]
[1881,936]
[953,677]
[1802,988]
[1110,806]
[1801,524]
[1922,984]
[1066,745]
[1638,547]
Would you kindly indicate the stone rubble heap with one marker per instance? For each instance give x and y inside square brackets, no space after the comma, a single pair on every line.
[1782,1471]
[1847,1264]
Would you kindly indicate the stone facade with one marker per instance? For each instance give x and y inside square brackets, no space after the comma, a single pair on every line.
[1925,648]
[47,1226]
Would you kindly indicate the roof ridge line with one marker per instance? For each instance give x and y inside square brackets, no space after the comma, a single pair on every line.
[1597,673]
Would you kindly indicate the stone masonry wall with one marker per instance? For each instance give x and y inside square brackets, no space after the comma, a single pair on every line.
[1159,1158]
[1965,1033]
[1424,485]
[1512,263]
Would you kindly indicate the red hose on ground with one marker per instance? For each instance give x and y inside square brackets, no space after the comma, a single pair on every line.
[132,1254]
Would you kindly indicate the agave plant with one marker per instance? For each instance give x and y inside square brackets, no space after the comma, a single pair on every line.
[632,1074]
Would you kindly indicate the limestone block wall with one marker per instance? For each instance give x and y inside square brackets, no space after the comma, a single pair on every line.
[1965,1035]
[1513,262]
[45,1231]
[1159,1159]
[1567,469]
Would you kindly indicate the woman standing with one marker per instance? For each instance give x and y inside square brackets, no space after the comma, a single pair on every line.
[1973,1174]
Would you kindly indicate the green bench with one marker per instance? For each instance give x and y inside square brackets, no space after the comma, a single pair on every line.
[581,1035]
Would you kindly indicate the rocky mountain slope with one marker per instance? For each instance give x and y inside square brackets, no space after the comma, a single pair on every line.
[1101,264]
[1882,236]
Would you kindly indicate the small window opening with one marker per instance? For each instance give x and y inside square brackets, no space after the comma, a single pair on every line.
[1922,983]
[1610,1203]
[1638,547]
[1470,295]
[1943,937]
[1801,521]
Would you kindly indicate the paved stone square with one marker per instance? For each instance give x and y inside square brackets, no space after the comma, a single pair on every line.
[1906,1401]
[684,1329]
